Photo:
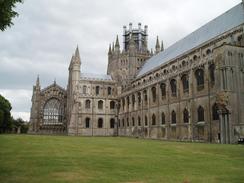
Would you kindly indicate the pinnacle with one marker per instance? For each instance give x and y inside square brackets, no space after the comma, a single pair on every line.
[117,42]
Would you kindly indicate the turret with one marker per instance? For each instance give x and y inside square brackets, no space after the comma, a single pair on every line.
[117,46]
[38,87]
[74,67]
[113,48]
[109,51]
[157,47]
[162,46]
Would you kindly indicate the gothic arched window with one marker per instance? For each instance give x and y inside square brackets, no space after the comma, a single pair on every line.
[112,105]
[185,83]
[211,73]
[139,98]
[145,96]
[173,87]
[215,112]
[100,104]
[186,116]
[173,117]
[100,123]
[87,122]
[153,119]
[97,90]
[133,101]
[162,118]
[109,90]
[200,79]
[53,112]
[139,121]
[200,113]
[146,121]
[88,104]
[163,89]
[112,123]
[154,94]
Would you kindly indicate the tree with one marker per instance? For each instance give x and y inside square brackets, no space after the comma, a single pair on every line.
[5,115]
[19,126]
[7,13]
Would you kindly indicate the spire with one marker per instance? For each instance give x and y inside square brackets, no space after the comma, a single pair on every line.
[77,55]
[109,50]
[37,81]
[117,42]
[157,47]
[162,46]
[113,47]
[37,87]
[117,47]
[54,81]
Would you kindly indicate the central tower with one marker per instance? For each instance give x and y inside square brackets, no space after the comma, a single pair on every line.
[123,65]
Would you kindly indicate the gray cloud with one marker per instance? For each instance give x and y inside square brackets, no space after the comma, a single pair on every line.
[46,33]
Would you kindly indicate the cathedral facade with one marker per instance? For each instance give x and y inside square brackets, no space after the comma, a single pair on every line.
[191,91]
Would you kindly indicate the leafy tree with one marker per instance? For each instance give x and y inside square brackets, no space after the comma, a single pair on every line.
[5,115]
[7,13]
[20,124]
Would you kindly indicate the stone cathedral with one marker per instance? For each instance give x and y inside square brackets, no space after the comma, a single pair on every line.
[190,91]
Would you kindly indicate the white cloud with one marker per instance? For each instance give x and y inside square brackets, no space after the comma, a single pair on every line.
[46,33]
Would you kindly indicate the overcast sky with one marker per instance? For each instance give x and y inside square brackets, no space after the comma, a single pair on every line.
[46,33]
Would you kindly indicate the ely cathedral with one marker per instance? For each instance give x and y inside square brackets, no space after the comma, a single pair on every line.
[190,91]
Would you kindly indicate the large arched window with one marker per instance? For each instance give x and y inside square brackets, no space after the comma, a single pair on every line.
[100,104]
[173,117]
[153,119]
[163,90]
[112,123]
[215,112]
[185,83]
[200,113]
[84,89]
[112,105]
[88,104]
[87,122]
[173,87]
[100,123]
[186,116]
[53,112]
[162,118]
[200,79]
[154,94]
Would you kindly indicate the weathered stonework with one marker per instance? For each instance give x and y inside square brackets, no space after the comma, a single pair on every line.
[197,95]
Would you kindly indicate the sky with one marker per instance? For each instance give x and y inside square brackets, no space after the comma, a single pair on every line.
[46,32]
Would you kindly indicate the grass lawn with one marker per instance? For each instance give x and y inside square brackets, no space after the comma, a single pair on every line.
[51,159]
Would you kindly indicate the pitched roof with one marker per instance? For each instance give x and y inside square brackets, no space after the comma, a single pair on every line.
[89,76]
[223,23]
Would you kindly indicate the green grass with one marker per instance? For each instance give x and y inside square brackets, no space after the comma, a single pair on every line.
[51,159]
